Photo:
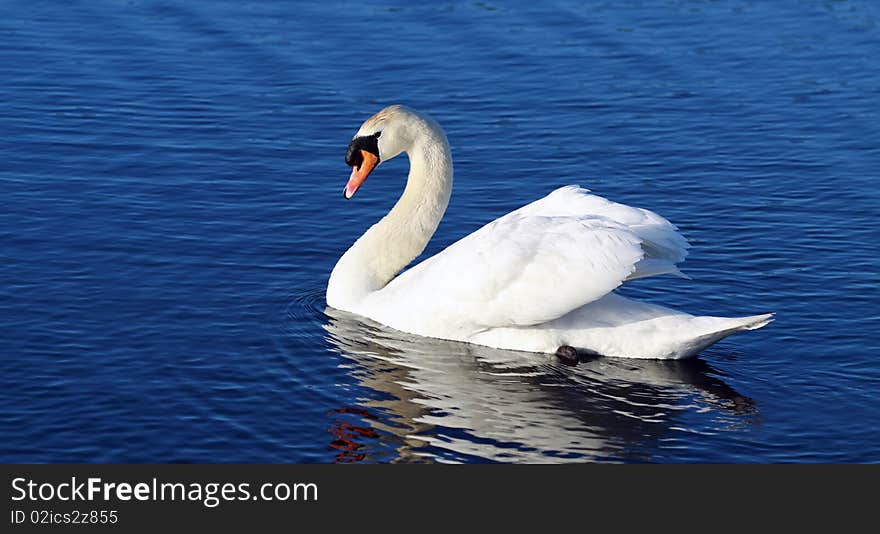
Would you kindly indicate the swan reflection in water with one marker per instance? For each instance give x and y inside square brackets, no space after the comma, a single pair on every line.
[445,401]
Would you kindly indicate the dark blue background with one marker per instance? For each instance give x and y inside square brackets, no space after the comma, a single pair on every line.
[171,175]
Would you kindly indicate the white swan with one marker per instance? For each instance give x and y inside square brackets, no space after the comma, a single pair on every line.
[539,279]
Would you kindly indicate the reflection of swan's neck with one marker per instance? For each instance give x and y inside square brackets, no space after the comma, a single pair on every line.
[400,236]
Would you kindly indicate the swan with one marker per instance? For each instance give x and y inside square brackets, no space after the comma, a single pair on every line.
[538,279]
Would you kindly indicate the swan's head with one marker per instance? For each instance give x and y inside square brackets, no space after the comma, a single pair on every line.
[381,137]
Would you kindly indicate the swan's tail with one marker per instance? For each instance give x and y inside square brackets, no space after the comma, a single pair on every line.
[754,322]
[718,328]
[721,327]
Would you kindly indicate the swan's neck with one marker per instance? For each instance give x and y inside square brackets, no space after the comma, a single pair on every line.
[389,245]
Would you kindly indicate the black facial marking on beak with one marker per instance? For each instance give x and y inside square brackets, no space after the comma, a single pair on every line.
[370,143]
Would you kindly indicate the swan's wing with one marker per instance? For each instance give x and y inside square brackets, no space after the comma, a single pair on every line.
[533,265]
[518,270]
[664,247]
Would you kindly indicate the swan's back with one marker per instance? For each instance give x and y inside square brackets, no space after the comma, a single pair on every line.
[531,266]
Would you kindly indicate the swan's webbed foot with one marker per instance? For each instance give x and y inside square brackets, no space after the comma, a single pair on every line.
[571,356]
[567,355]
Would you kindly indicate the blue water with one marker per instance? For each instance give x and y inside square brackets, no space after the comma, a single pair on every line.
[171,177]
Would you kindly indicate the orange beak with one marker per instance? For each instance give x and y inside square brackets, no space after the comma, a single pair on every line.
[359,174]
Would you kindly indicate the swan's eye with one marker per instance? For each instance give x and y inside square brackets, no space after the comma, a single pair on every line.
[370,143]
